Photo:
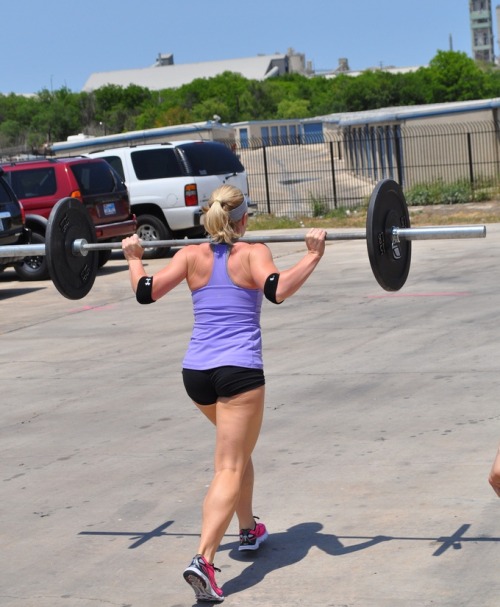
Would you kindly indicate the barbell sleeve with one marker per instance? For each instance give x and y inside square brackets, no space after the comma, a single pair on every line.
[436,233]
[22,250]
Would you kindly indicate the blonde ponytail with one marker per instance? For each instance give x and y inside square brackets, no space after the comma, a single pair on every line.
[218,223]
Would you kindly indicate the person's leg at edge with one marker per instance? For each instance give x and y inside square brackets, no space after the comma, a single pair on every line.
[244,507]
[238,420]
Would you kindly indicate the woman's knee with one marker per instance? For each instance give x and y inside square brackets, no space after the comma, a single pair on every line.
[231,477]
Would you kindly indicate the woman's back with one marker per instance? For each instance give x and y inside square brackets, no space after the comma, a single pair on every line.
[226,314]
[200,260]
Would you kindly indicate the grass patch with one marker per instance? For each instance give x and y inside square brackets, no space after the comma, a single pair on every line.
[336,218]
[319,206]
[438,203]
[458,192]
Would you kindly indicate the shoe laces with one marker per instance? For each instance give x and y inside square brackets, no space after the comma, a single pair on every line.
[210,564]
[245,531]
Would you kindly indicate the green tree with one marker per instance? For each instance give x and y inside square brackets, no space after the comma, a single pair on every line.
[370,90]
[323,99]
[207,109]
[11,133]
[455,77]
[412,88]
[117,108]
[223,91]
[290,87]
[293,108]
[256,103]
[56,117]
[174,115]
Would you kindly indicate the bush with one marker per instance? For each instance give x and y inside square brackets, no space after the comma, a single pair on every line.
[456,193]
[319,206]
[439,192]
[419,195]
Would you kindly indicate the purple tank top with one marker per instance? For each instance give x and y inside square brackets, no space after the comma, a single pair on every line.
[226,321]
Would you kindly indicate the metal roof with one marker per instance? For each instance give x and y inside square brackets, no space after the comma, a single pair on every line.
[410,112]
[190,131]
[174,76]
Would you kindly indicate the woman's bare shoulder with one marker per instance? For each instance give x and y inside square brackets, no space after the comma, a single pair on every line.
[252,248]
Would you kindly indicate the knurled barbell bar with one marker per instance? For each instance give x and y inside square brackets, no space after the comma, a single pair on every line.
[71,247]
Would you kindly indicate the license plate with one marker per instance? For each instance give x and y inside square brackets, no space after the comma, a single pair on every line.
[109,208]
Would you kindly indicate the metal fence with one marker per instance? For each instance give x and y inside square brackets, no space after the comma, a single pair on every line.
[341,168]
[313,175]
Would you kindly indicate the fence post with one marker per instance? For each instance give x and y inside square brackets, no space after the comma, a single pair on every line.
[397,145]
[266,178]
[471,166]
[497,137]
[333,176]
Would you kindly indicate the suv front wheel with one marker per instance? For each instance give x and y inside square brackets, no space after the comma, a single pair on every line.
[34,267]
[150,227]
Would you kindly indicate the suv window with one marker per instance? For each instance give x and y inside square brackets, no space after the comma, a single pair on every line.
[32,183]
[12,229]
[211,159]
[4,194]
[156,164]
[117,164]
[93,178]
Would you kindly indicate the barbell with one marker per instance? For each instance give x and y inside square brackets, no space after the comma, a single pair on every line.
[71,245]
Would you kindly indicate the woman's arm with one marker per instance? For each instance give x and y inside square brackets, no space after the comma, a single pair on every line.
[290,281]
[164,280]
[494,478]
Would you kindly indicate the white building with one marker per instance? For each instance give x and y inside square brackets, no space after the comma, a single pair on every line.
[164,74]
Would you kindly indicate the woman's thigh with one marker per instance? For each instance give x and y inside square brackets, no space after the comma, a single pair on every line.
[238,424]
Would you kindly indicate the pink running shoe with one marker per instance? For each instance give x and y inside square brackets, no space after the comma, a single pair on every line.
[200,575]
[251,539]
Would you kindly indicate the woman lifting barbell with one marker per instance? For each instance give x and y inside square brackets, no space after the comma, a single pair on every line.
[223,368]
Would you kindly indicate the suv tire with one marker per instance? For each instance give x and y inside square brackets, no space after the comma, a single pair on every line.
[33,267]
[150,227]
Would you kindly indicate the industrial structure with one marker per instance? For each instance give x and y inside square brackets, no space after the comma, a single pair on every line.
[481,25]
[165,74]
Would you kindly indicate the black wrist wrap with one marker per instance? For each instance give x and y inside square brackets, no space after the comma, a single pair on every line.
[271,286]
[145,290]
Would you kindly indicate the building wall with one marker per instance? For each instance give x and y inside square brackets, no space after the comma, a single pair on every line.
[256,133]
[481,24]
[419,151]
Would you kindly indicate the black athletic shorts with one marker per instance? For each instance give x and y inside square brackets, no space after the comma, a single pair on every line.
[205,387]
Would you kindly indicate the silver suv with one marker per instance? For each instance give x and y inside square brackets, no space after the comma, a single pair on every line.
[169,183]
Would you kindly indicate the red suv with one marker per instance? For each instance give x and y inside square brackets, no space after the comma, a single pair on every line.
[39,184]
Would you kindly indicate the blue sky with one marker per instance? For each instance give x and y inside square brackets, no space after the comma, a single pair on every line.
[55,43]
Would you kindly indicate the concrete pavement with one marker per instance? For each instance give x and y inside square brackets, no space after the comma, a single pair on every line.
[382,421]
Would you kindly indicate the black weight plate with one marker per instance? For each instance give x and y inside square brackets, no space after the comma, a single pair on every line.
[390,261]
[72,274]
